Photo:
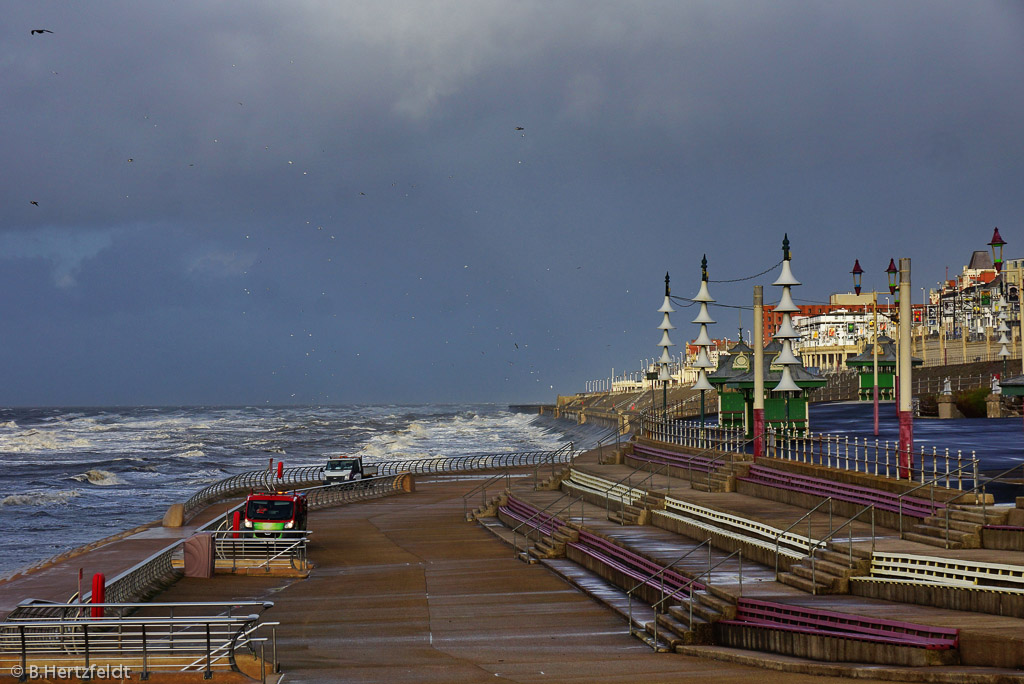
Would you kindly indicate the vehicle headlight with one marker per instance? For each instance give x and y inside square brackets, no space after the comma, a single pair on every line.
[289,525]
[248,523]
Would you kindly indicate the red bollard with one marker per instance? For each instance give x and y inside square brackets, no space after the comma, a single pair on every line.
[99,588]
[236,523]
[280,470]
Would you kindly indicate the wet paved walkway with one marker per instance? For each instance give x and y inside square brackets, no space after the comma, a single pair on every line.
[405,590]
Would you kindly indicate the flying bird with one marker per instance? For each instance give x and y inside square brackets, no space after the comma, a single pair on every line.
[520,128]
[35,31]
[33,202]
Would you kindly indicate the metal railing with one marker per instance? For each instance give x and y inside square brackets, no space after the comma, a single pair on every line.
[661,573]
[244,549]
[691,435]
[325,496]
[708,573]
[266,480]
[454,464]
[810,540]
[482,488]
[931,489]
[814,544]
[824,540]
[534,528]
[875,458]
[180,637]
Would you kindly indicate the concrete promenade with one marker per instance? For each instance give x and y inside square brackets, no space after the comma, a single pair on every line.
[405,590]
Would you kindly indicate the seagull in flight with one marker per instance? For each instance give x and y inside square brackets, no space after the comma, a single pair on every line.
[35,31]
[33,202]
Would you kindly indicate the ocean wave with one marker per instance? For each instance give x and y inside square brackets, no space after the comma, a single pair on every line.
[39,498]
[9,424]
[192,453]
[35,440]
[101,478]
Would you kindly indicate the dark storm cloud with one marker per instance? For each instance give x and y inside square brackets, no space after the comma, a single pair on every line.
[249,202]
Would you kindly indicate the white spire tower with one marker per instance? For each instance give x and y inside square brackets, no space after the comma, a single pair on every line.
[703,341]
[786,333]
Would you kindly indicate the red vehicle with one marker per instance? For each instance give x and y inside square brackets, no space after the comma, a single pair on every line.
[273,515]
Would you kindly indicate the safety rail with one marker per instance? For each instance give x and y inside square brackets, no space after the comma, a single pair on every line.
[947,571]
[543,522]
[763,530]
[810,541]
[708,573]
[661,573]
[831,535]
[454,464]
[180,637]
[934,507]
[266,480]
[311,476]
[875,458]
[692,435]
[325,496]
[482,488]
[812,621]
[287,549]
[142,579]
[965,496]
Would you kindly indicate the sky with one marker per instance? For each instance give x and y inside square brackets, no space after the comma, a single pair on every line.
[250,203]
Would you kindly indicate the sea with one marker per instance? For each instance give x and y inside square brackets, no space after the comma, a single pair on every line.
[70,476]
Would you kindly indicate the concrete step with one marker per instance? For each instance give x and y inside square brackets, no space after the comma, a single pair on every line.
[931,541]
[964,538]
[566,535]
[698,627]
[841,569]
[829,583]
[623,518]
[726,610]
[976,514]
[803,584]
[700,485]
[669,630]
[954,524]
[842,559]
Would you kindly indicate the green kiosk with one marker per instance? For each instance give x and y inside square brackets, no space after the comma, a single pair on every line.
[887,357]
[734,380]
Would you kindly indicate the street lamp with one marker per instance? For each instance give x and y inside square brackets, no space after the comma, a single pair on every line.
[703,341]
[996,243]
[858,275]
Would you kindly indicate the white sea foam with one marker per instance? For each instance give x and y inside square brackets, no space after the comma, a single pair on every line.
[192,453]
[32,440]
[39,498]
[9,424]
[101,478]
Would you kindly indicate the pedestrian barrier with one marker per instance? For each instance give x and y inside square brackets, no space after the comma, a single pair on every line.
[947,571]
[179,637]
[752,530]
[856,494]
[782,617]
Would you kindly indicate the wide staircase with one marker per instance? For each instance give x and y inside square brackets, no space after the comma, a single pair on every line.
[685,609]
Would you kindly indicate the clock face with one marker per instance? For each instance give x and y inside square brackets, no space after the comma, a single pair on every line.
[741,363]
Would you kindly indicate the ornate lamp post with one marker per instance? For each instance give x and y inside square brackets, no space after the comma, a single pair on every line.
[703,341]
[858,275]
[996,244]
[786,333]
[663,373]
